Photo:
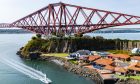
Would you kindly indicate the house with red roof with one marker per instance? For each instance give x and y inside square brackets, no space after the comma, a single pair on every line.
[121,70]
[93,58]
[109,68]
[135,69]
[135,59]
[122,57]
[102,62]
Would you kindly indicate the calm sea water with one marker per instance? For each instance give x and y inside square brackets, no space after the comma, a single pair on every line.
[10,43]
[129,36]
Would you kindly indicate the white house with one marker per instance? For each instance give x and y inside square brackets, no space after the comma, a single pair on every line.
[79,54]
[135,50]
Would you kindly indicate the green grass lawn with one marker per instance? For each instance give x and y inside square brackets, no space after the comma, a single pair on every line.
[125,77]
[74,61]
[63,55]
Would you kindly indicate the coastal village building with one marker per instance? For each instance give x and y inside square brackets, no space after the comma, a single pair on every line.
[135,59]
[110,64]
[121,71]
[135,69]
[80,54]
[109,68]
[93,58]
[135,51]
[103,54]
[121,57]
[101,63]
[84,52]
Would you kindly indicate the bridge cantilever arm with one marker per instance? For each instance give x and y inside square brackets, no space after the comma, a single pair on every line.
[67,18]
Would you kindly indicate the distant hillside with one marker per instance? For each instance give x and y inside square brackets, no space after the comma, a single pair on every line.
[118,31]
[13,31]
[21,31]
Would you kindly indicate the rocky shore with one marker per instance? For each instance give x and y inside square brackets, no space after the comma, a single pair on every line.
[76,69]
[81,71]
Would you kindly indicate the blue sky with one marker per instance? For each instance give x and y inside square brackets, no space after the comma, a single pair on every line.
[11,10]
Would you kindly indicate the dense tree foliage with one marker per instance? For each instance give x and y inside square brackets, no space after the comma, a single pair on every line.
[72,44]
[38,35]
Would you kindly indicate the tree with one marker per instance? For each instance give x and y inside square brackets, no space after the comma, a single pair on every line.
[61,34]
[99,37]
[54,33]
[33,38]
[38,35]
[93,37]
[87,36]
[78,35]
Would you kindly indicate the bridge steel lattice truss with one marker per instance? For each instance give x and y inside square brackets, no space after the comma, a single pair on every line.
[67,18]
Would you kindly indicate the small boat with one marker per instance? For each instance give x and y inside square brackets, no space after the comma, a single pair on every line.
[46,80]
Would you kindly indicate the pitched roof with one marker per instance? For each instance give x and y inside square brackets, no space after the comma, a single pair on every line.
[89,66]
[84,52]
[108,67]
[92,58]
[104,61]
[134,68]
[138,64]
[136,58]
[123,56]
[121,69]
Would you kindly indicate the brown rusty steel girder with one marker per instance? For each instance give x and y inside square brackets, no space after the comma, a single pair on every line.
[66,18]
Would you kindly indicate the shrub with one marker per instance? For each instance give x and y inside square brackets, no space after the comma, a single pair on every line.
[33,38]
[99,37]
[87,36]
[78,35]
[31,46]
[38,35]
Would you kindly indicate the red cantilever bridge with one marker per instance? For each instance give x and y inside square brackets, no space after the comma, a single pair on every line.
[67,18]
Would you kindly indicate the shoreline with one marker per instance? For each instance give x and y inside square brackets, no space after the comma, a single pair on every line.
[92,74]
[76,69]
